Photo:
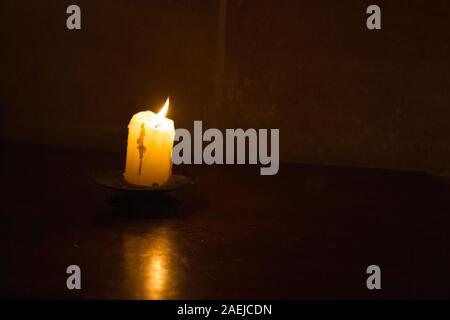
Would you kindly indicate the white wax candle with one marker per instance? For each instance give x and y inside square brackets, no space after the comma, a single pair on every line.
[149,149]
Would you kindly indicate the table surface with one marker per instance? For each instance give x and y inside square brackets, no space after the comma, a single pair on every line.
[309,232]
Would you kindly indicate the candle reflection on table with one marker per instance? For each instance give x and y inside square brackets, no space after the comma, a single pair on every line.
[150,264]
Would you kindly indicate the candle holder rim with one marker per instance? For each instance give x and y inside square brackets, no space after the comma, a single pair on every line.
[114,179]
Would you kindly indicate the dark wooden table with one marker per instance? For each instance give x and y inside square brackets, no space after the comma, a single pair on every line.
[309,232]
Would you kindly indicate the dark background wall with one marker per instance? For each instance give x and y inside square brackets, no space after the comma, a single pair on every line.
[338,92]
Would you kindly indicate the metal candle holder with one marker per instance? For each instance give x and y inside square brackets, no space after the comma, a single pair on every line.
[113,179]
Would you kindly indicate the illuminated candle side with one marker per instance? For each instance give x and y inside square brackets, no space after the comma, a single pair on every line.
[149,149]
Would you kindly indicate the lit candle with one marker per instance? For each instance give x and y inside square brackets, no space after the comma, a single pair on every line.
[149,149]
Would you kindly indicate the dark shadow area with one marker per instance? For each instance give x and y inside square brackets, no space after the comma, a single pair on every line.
[138,205]
[129,206]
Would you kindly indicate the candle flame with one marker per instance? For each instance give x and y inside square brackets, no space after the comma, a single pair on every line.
[162,113]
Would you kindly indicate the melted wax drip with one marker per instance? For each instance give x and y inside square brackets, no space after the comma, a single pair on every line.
[141,147]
